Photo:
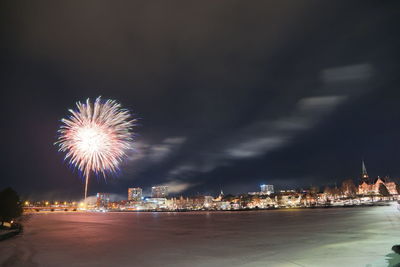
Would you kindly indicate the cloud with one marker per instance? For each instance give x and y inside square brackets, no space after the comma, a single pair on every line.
[158,152]
[144,156]
[185,168]
[155,152]
[319,102]
[255,147]
[175,187]
[358,72]
[175,140]
[265,136]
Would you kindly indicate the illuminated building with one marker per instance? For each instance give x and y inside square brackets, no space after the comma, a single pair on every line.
[159,191]
[262,203]
[208,201]
[202,202]
[191,203]
[369,187]
[267,189]
[372,187]
[220,197]
[103,200]
[134,194]
[293,200]
[155,203]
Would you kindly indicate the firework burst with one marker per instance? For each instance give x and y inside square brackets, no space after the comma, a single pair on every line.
[96,137]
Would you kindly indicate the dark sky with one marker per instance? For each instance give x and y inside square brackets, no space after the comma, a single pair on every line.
[230,94]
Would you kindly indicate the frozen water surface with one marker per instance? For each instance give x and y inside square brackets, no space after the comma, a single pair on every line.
[313,237]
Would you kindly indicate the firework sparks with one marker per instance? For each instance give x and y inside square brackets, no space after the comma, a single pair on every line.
[96,136]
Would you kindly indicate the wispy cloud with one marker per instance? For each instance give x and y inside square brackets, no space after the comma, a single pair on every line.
[143,156]
[262,137]
[177,186]
[319,103]
[255,147]
[156,152]
[358,72]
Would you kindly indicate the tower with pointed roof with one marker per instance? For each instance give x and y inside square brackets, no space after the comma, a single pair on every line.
[364,187]
[364,173]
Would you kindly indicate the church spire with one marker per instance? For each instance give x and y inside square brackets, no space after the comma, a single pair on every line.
[364,174]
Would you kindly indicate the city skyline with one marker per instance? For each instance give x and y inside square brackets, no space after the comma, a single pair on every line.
[146,191]
[364,183]
[367,192]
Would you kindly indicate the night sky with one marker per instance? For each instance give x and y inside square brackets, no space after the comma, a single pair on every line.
[229,94]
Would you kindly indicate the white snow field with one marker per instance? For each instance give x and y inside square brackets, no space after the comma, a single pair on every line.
[292,237]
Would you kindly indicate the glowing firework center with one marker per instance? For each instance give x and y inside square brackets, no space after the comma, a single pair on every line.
[96,144]
[91,140]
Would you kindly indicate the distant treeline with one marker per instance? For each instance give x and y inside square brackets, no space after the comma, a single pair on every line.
[10,205]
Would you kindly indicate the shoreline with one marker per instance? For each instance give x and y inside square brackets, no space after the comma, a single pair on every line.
[10,233]
[378,204]
[375,204]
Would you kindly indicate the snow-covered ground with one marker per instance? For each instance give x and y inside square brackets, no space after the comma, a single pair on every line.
[313,237]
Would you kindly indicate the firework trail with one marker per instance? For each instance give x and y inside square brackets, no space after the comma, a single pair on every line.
[96,136]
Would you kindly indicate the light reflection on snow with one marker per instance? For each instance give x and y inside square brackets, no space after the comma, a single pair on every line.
[313,237]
